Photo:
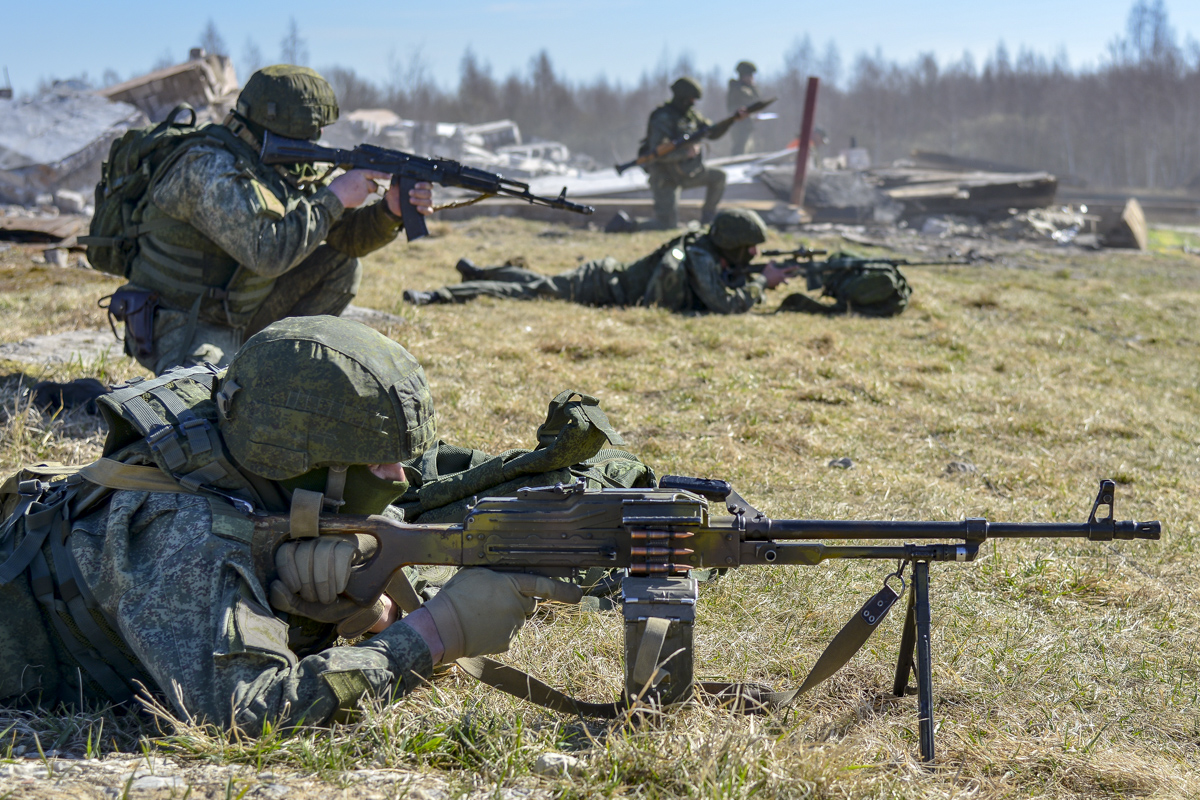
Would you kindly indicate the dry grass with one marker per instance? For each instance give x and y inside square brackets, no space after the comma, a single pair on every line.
[1062,669]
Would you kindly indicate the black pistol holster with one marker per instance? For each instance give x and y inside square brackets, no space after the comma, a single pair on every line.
[134,307]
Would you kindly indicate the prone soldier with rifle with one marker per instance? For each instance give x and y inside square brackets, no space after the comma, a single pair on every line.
[241,519]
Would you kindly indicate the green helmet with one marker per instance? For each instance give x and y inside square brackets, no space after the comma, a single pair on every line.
[732,228]
[288,100]
[745,67]
[311,392]
[686,89]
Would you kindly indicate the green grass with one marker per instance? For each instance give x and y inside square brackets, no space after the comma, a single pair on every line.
[1061,669]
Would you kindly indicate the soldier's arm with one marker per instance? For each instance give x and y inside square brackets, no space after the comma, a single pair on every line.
[241,215]
[364,230]
[199,623]
[706,277]
[722,127]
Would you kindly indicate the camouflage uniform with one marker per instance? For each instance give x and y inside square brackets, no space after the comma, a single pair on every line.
[165,588]
[686,274]
[678,170]
[231,245]
[741,94]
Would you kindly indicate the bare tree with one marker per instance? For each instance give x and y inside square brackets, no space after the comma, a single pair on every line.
[293,49]
[211,40]
[252,57]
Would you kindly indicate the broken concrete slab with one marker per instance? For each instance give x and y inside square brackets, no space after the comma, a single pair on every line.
[58,141]
[1123,226]
[208,83]
[61,229]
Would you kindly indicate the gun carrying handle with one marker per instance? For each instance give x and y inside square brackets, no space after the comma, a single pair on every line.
[414,222]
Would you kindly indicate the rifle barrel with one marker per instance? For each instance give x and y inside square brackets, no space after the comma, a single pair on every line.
[970,529]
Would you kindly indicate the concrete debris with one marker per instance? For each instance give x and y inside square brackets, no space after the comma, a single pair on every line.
[558,765]
[42,223]
[58,141]
[1123,226]
[69,202]
[208,83]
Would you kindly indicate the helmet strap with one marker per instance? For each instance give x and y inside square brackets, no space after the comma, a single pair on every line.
[335,486]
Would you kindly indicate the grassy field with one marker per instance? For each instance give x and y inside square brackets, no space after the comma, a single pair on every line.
[1061,669]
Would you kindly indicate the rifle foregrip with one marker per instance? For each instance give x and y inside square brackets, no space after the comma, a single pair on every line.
[414,221]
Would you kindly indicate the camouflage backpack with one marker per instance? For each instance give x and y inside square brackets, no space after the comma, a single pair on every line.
[125,179]
[873,290]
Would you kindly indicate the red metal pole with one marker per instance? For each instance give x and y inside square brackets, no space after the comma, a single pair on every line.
[806,126]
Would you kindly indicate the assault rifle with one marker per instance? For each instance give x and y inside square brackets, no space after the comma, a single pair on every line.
[656,536]
[666,148]
[407,170]
[793,262]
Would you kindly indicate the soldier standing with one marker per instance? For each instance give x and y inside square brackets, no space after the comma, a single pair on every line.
[742,92]
[684,168]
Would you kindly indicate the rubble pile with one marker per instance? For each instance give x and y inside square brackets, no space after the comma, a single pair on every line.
[51,148]
[58,141]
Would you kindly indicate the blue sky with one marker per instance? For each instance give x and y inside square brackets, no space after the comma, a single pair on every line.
[617,38]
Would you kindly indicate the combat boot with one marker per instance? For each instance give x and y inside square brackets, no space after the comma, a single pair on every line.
[419,298]
[466,267]
[621,222]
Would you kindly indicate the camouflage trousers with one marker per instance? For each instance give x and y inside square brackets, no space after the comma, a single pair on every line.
[666,198]
[324,283]
[601,282]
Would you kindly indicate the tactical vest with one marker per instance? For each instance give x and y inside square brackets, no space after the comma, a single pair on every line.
[168,421]
[186,268]
[687,122]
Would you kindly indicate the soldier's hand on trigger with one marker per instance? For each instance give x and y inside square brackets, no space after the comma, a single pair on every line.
[693,149]
[354,187]
[421,196]
[479,611]
[312,575]
[775,275]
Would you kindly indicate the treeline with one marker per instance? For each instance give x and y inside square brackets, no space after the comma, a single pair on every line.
[1133,120]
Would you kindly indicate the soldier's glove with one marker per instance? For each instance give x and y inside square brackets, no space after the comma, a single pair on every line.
[352,620]
[317,569]
[479,612]
[312,573]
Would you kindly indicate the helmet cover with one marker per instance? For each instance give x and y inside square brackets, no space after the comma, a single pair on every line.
[308,392]
[288,100]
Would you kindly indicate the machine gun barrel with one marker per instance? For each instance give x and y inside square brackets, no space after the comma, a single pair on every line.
[407,170]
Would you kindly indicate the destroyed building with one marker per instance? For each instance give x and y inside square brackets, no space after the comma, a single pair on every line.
[58,141]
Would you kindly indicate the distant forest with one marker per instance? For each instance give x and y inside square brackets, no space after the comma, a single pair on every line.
[1132,121]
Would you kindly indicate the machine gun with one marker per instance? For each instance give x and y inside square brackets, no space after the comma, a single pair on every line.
[668,147]
[657,536]
[407,170]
